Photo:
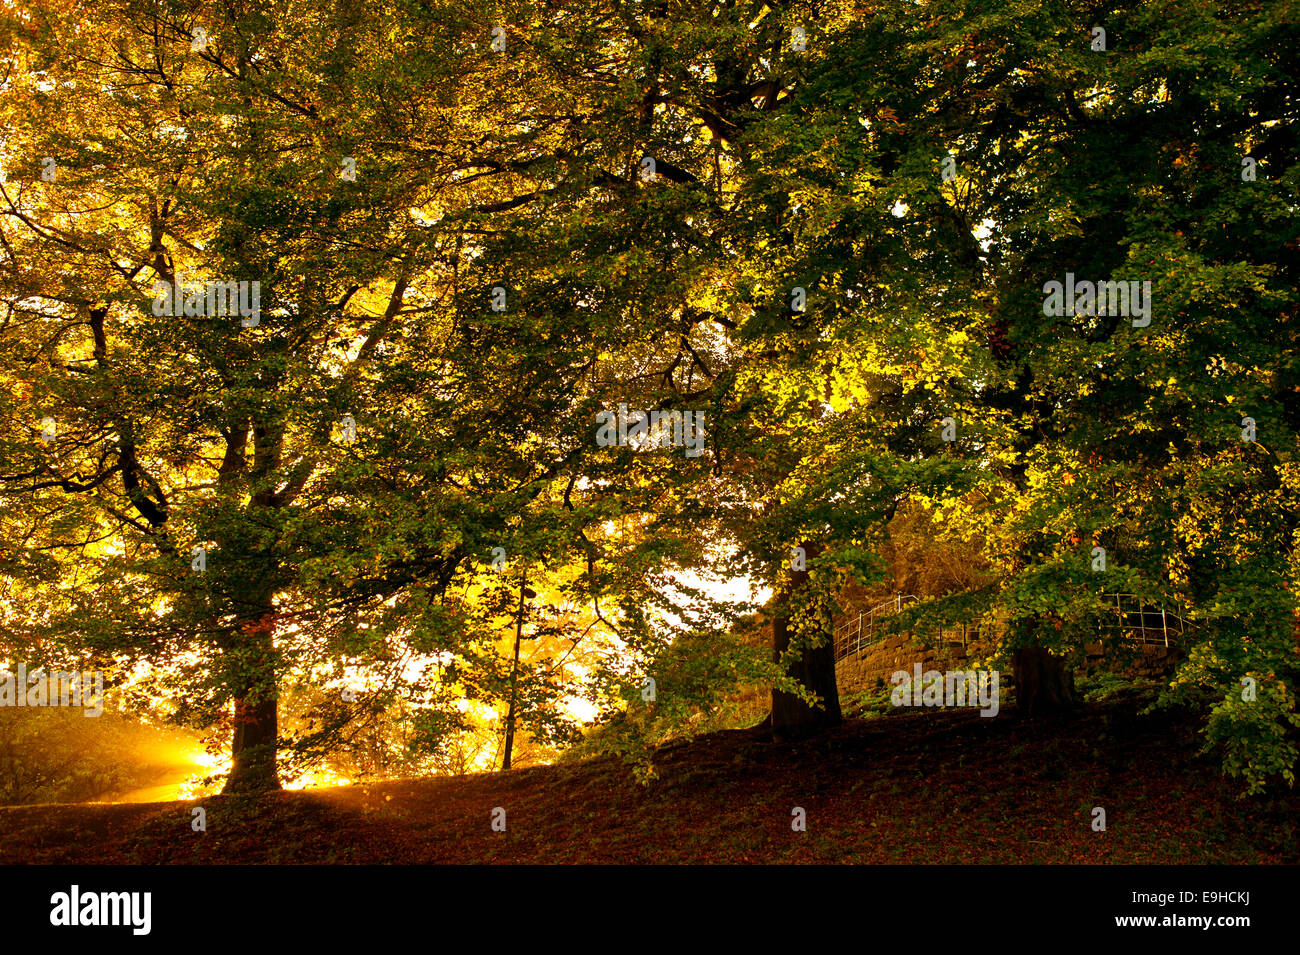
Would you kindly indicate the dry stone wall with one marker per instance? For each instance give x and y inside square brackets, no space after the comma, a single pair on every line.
[872,668]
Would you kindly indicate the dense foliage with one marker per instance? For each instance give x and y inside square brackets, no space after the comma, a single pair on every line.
[829,228]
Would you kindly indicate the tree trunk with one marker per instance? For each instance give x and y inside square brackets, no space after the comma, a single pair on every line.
[254,744]
[1044,683]
[792,718]
[253,747]
[514,674]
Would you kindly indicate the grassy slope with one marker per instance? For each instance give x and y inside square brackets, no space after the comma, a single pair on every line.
[927,786]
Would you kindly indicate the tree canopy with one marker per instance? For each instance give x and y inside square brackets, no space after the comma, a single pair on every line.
[821,234]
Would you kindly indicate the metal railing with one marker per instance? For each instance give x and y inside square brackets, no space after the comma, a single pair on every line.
[1144,623]
[864,631]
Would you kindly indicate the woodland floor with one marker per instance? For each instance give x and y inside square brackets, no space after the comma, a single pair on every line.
[926,787]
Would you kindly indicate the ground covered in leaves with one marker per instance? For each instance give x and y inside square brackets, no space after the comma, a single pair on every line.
[925,787]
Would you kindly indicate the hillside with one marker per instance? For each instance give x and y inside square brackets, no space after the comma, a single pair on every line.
[931,787]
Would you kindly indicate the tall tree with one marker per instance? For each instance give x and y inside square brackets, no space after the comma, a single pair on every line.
[239,497]
[949,161]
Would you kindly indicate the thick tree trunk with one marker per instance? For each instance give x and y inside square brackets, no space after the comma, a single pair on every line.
[1044,683]
[253,747]
[792,718]
[255,740]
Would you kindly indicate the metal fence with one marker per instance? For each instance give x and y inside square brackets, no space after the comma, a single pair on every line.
[855,634]
[1144,623]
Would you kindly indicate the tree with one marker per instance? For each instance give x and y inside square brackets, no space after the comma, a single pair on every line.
[829,229]
[1069,431]
[241,498]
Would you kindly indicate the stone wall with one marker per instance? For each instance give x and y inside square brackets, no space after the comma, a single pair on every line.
[1132,660]
[880,661]
[897,652]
